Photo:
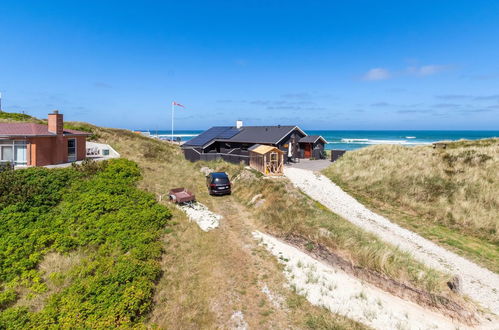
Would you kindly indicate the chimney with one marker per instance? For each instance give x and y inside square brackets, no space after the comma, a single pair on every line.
[239,123]
[56,123]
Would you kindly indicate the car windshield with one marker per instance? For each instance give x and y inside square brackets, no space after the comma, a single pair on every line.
[221,180]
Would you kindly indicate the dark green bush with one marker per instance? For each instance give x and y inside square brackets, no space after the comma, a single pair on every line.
[95,207]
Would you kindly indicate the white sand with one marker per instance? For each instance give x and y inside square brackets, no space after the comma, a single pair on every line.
[477,282]
[275,299]
[237,321]
[343,294]
[199,213]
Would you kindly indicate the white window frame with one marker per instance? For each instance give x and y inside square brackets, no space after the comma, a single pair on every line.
[14,144]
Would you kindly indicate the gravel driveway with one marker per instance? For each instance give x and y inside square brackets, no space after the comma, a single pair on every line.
[477,282]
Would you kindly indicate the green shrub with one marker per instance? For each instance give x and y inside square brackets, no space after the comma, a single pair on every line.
[7,297]
[95,207]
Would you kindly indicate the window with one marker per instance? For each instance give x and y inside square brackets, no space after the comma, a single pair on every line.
[71,150]
[20,152]
[7,154]
[221,180]
[13,151]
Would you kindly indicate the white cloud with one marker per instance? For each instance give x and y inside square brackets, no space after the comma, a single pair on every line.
[426,70]
[377,74]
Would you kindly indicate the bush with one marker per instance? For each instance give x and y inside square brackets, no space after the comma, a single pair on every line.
[95,207]
[7,166]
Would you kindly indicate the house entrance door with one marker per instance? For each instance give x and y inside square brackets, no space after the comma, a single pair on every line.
[308,151]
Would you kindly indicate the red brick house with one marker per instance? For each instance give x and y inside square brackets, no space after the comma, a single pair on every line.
[33,144]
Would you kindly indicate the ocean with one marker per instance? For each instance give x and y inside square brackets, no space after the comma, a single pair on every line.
[350,140]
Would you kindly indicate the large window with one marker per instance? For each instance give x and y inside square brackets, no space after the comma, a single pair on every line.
[7,154]
[13,152]
[71,150]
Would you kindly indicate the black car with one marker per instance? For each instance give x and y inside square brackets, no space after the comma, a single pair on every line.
[218,183]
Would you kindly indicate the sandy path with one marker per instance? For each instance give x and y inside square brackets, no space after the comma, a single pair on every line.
[477,282]
[323,285]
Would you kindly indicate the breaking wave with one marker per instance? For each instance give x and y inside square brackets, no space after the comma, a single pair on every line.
[375,141]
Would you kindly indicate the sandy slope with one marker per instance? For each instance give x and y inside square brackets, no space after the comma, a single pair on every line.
[323,285]
[478,283]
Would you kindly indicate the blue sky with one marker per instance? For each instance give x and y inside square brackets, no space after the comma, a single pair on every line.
[318,64]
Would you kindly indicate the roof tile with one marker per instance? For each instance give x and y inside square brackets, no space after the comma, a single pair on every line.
[32,129]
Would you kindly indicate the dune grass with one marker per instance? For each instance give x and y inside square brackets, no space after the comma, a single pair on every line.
[450,196]
[13,116]
[286,211]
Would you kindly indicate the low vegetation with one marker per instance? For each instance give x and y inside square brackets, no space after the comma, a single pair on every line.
[447,195]
[94,209]
[13,116]
[286,212]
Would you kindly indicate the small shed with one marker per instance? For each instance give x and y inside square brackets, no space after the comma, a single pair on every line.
[267,159]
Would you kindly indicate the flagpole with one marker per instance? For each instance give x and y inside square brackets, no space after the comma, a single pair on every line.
[173,109]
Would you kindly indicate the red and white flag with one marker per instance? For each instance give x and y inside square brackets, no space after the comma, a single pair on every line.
[177,104]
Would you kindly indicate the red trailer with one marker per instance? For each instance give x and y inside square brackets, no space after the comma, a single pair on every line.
[181,195]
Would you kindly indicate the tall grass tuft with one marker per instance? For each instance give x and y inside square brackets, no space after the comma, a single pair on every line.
[449,195]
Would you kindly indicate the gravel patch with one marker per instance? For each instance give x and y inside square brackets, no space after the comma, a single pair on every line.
[206,170]
[479,283]
[326,286]
[237,321]
[199,213]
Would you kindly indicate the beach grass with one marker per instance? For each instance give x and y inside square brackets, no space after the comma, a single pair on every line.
[287,211]
[447,195]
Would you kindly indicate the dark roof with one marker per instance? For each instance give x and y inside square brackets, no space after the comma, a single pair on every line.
[32,129]
[246,134]
[217,132]
[312,139]
[262,134]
